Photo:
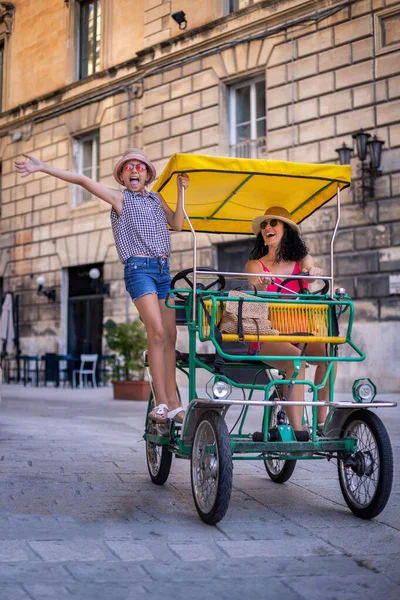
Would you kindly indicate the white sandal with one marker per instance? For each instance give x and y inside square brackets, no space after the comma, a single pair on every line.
[172,413]
[158,414]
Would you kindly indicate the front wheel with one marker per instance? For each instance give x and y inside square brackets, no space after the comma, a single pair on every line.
[159,458]
[211,468]
[366,477]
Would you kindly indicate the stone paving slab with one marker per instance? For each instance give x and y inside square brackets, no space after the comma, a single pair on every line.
[70,550]
[13,592]
[33,572]
[72,591]
[283,547]
[13,551]
[368,586]
[80,518]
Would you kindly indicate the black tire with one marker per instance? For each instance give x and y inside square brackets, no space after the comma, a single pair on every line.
[212,470]
[159,458]
[367,482]
[278,470]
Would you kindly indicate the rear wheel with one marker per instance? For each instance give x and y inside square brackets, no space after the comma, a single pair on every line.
[158,457]
[211,468]
[279,470]
[366,477]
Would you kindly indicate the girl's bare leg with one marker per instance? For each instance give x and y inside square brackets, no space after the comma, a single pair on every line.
[149,310]
[295,413]
[169,323]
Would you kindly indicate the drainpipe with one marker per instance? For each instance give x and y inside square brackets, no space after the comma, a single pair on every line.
[129,139]
[131,93]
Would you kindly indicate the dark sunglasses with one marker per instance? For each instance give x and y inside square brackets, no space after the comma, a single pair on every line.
[271,222]
[139,167]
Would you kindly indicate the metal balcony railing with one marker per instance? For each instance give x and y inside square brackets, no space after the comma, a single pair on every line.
[250,148]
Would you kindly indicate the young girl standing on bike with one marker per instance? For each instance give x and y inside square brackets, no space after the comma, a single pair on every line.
[139,221]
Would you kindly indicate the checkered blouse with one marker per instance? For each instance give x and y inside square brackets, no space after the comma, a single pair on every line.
[142,227]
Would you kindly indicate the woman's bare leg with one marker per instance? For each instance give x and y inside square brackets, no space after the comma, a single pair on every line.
[149,310]
[323,393]
[295,413]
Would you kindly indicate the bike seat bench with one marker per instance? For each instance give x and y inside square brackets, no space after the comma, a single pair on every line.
[295,321]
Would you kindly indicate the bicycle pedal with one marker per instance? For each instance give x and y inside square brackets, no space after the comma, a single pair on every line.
[302,436]
[272,436]
[281,417]
[163,429]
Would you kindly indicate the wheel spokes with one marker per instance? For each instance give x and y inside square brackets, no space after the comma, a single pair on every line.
[154,452]
[205,467]
[363,486]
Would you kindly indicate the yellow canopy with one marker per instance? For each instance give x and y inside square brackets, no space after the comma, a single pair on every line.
[226,194]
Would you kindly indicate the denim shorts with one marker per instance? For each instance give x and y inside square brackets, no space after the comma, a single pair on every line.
[147,275]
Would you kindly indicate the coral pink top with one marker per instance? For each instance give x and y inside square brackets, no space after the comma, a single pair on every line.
[291,285]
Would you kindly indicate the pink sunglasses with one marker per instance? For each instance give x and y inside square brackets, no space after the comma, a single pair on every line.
[139,167]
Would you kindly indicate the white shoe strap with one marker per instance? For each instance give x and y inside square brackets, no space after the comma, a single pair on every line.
[174,412]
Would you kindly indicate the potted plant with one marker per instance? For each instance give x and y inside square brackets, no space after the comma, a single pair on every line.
[129,341]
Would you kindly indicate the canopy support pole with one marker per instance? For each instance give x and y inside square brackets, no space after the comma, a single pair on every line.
[332,286]
[194,254]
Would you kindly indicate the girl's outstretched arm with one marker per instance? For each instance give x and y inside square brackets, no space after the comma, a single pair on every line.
[32,165]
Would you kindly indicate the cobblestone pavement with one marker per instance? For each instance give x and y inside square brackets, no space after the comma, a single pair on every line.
[80,518]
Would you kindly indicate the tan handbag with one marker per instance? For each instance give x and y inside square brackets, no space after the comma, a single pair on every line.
[243,317]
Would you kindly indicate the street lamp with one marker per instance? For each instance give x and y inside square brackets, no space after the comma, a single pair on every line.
[98,286]
[375,148]
[365,148]
[180,18]
[344,154]
[50,294]
[361,139]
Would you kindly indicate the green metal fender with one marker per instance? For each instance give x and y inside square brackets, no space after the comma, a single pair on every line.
[336,419]
[194,411]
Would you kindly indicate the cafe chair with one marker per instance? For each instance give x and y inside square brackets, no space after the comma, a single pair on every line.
[30,369]
[87,368]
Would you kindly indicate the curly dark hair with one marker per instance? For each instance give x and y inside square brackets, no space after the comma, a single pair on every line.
[291,248]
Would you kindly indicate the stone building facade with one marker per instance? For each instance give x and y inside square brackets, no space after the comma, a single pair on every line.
[84,80]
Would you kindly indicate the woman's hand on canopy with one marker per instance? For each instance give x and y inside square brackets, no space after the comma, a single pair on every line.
[27,167]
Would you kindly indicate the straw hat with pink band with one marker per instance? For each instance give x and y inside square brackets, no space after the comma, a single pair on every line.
[134,154]
[275,212]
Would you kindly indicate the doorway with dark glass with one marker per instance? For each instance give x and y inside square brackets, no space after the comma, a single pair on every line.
[85,314]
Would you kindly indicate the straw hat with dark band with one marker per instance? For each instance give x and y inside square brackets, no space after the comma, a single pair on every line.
[134,154]
[275,212]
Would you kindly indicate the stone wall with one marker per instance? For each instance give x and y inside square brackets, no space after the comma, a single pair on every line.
[323,84]
[41,46]
[326,85]
[324,81]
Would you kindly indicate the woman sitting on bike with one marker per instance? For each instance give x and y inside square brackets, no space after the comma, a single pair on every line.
[279,248]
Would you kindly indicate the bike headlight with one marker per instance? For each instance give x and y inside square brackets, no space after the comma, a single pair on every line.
[364,390]
[221,390]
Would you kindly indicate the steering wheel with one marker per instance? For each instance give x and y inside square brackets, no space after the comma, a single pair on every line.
[322,291]
[183,275]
